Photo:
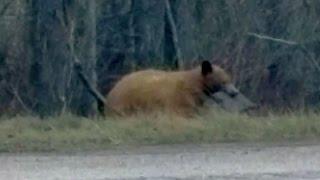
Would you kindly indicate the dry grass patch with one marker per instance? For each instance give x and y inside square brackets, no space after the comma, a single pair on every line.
[69,133]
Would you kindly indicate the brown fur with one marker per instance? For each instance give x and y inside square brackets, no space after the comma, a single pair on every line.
[179,92]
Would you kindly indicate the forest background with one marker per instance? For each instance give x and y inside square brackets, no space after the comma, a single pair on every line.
[272,48]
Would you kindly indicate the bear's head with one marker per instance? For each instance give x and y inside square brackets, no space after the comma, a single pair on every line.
[216,79]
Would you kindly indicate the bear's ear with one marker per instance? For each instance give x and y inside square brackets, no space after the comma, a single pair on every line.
[206,68]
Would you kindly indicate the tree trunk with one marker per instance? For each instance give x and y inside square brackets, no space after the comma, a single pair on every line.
[56,87]
[84,103]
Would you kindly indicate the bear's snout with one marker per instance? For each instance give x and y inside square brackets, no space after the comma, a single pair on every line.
[231,90]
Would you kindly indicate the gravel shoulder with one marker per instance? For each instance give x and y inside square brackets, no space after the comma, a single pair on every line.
[220,161]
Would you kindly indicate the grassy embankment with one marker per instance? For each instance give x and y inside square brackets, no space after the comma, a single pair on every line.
[69,133]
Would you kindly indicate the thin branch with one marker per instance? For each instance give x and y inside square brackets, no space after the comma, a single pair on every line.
[92,90]
[5,7]
[310,57]
[144,11]
[292,43]
[15,94]
[102,102]
[173,29]
[259,36]
[87,84]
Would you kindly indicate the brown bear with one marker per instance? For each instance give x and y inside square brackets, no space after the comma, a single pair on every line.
[179,92]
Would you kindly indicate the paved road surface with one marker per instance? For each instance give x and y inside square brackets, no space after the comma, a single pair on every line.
[221,161]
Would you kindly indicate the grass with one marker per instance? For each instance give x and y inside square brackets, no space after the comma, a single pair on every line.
[70,133]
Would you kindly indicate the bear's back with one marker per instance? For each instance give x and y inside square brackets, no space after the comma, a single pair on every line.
[152,89]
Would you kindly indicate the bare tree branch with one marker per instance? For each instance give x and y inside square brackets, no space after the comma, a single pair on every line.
[5,7]
[92,90]
[16,95]
[259,36]
[288,42]
[310,57]
[173,28]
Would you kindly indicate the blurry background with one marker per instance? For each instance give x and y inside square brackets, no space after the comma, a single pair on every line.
[39,40]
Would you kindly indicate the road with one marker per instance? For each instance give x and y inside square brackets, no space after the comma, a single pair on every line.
[220,161]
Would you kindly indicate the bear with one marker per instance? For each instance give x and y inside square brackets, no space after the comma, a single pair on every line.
[178,92]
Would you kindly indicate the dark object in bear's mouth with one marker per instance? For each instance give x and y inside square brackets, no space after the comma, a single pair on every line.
[238,103]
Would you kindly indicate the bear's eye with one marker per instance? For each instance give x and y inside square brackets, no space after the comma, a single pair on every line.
[223,83]
[226,81]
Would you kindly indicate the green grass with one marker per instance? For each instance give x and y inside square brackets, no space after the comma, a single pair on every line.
[70,133]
